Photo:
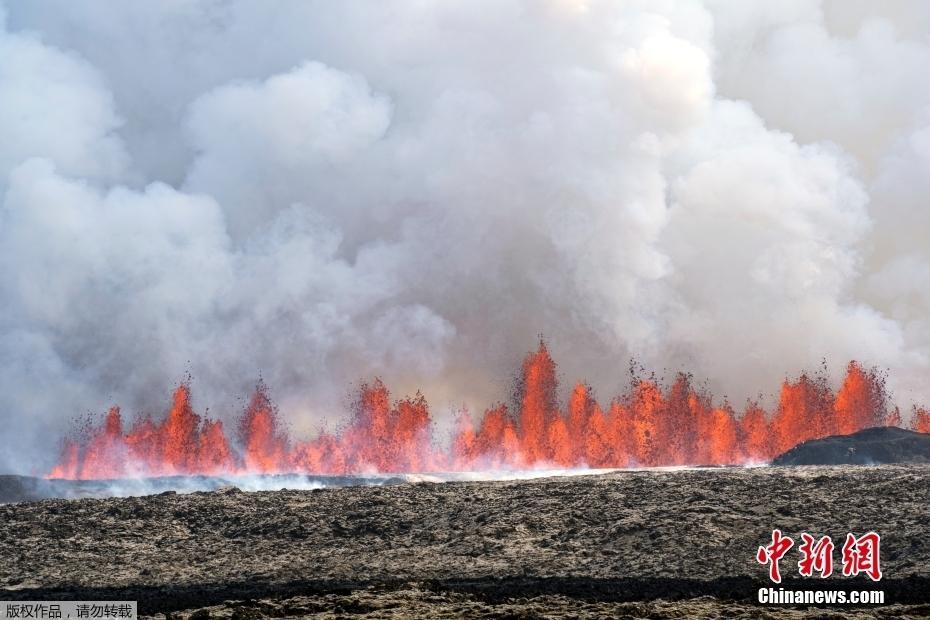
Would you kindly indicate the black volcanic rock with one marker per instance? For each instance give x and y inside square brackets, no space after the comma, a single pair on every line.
[15,489]
[872,446]
[641,544]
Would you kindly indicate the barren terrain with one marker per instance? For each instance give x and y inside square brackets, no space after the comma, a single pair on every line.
[871,446]
[639,543]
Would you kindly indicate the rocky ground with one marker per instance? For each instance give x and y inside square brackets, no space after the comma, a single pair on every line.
[871,446]
[629,544]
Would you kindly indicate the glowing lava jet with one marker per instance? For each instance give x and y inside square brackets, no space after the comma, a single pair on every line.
[647,426]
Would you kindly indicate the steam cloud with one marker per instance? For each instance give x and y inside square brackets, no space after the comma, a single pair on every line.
[323,192]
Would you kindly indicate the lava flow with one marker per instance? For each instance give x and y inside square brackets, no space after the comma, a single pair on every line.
[647,426]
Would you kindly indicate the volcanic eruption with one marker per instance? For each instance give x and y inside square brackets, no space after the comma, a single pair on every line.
[648,425]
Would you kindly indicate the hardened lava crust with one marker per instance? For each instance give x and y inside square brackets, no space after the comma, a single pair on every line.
[659,543]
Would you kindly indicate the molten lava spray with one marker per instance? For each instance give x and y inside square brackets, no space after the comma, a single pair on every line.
[647,426]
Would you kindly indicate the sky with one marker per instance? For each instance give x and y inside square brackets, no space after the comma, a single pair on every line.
[319,193]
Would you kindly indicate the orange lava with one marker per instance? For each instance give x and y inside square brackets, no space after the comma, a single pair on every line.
[646,426]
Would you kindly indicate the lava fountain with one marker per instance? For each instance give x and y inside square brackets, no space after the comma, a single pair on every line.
[647,426]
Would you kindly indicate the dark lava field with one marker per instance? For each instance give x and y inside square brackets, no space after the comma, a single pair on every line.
[627,544]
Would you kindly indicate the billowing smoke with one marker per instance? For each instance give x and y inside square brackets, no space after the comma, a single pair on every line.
[322,192]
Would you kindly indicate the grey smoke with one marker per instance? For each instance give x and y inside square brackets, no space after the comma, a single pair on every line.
[324,192]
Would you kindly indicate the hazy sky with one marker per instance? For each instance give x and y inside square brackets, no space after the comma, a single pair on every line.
[321,192]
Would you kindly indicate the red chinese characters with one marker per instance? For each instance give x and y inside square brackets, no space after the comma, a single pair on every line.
[815,556]
[860,555]
[772,553]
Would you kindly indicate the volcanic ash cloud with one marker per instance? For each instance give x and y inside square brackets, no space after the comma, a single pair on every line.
[325,193]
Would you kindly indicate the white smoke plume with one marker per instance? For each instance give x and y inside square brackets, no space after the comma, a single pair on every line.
[322,192]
